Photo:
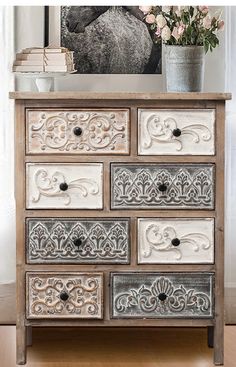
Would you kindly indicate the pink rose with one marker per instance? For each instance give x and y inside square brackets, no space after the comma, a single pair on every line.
[150,18]
[207,22]
[204,9]
[175,33]
[220,25]
[166,33]
[181,29]
[145,9]
[158,32]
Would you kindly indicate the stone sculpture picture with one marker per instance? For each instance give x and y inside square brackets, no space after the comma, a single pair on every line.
[109,40]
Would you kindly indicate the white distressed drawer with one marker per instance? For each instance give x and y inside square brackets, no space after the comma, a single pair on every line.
[176,132]
[90,131]
[64,186]
[175,240]
[64,295]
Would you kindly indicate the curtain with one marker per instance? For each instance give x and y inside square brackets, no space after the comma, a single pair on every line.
[7,204]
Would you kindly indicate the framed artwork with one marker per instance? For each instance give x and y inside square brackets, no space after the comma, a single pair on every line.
[105,39]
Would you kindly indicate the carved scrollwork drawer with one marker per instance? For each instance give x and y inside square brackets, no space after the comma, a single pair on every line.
[162,186]
[175,240]
[56,240]
[69,295]
[176,132]
[100,131]
[64,186]
[162,295]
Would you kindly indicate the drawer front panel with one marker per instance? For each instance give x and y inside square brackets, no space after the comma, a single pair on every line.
[64,186]
[80,241]
[162,295]
[157,186]
[175,241]
[58,295]
[78,131]
[176,132]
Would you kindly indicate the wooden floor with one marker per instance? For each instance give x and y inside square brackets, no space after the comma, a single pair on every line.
[173,347]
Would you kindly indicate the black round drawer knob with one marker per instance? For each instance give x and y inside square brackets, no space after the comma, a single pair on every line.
[162,187]
[77,131]
[64,296]
[63,186]
[175,242]
[176,132]
[162,296]
[77,242]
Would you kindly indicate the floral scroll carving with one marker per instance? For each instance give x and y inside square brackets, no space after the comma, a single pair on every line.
[163,298]
[160,130]
[48,185]
[101,131]
[158,238]
[83,296]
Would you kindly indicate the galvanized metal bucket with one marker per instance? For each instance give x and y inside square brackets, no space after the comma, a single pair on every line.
[184,68]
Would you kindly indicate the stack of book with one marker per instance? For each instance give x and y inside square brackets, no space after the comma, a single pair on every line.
[46,59]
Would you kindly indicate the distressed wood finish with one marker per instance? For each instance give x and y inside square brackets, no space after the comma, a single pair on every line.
[175,241]
[84,241]
[162,186]
[77,131]
[83,186]
[162,295]
[58,295]
[104,209]
[174,132]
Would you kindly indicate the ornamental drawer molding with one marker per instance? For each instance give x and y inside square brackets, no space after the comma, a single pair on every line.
[158,186]
[56,240]
[176,132]
[162,295]
[64,186]
[69,295]
[78,131]
[176,241]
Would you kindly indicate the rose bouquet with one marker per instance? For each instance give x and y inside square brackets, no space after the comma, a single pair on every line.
[183,25]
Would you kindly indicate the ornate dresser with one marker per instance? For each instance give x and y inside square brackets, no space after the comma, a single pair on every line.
[120,211]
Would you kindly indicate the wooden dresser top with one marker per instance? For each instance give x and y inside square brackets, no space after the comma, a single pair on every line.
[118,96]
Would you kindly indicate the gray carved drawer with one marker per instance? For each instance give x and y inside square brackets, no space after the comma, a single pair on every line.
[90,131]
[162,295]
[73,240]
[162,186]
[64,295]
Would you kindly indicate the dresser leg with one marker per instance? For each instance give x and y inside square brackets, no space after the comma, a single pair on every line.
[29,336]
[218,344]
[210,336]
[20,344]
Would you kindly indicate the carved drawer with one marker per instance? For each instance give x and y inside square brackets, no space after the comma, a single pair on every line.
[57,240]
[64,295]
[162,186]
[90,131]
[64,186]
[162,295]
[175,240]
[176,132]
